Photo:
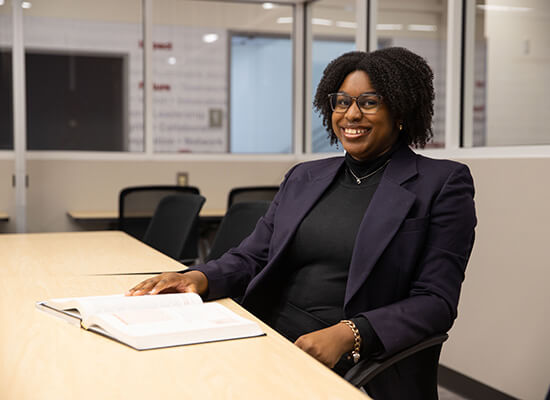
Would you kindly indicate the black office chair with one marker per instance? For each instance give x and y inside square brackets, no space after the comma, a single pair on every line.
[238,222]
[365,370]
[173,222]
[137,204]
[251,193]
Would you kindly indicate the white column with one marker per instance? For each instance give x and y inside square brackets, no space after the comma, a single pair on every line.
[299,45]
[372,21]
[308,49]
[19,119]
[365,34]
[148,76]
[469,62]
[361,32]
[454,72]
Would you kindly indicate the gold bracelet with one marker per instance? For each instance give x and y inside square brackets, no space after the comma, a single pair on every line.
[355,355]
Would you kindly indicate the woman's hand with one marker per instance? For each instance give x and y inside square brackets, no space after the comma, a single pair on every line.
[172,282]
[327,345]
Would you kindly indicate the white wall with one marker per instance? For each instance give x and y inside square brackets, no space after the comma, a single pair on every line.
[60,186]
[501,335]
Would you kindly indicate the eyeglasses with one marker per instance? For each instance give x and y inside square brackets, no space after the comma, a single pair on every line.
[368,103]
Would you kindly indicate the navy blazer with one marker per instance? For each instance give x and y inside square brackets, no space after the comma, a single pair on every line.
[409,257]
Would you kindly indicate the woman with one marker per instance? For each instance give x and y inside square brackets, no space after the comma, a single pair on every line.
[362,255]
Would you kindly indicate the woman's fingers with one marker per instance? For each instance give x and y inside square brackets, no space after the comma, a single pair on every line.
[141,288]
[167,282]
[193,281]
[154,285]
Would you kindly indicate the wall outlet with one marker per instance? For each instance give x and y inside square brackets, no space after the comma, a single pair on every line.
[182,179]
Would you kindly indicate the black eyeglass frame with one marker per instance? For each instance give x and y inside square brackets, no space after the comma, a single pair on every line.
[354,98]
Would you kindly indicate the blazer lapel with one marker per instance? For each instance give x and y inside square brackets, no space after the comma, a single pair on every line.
[387,210]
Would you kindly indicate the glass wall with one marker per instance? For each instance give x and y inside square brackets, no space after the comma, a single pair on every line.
[83,75]
[420,26]
[511,67]
[223,72]
[6,102]
[222,77]
[333,28]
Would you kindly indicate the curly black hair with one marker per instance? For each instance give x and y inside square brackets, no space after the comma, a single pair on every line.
[401,77]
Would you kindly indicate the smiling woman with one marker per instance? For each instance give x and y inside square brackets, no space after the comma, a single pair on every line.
[364,255]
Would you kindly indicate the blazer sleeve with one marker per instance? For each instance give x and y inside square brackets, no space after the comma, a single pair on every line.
[230,274]
[431,303]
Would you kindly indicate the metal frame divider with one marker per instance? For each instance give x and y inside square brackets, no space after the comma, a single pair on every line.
[20,179]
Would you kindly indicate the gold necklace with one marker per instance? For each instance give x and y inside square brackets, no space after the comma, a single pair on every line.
[358,180]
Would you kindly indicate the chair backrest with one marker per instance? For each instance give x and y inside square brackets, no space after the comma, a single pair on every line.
[251,193]
[137,204]
[172,223]
[238,222]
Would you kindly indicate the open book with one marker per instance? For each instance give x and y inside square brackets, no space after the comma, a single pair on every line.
[148,322]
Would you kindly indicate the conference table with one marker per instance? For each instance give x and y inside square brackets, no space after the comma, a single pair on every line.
[112,215]
[44,357]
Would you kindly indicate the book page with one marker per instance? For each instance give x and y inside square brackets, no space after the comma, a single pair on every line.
[172,326]
[99,304]
[149,321]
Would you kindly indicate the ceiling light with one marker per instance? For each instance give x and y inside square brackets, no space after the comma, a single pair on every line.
[268,6]
[321,21]
[172,60]
[389,27]
[284,20]
[422,28]
[210,37]
[346,24]
[26,4]
[495,7]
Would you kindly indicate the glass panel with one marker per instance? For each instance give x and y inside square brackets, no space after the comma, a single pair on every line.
[207,52]
[83,75]
[420,26]
[512,63]
[6,101]
[261,94]
[333,27]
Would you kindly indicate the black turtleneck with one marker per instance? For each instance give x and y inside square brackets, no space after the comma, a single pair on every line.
[364,170]
[319,256]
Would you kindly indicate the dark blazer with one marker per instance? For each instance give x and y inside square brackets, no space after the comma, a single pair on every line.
[408,262]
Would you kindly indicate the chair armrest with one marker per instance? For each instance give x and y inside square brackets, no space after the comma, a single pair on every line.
[362,372]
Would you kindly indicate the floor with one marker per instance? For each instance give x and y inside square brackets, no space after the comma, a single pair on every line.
[445,394]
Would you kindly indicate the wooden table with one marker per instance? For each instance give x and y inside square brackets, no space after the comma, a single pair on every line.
[110,215]
[43,357]
[78,254]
